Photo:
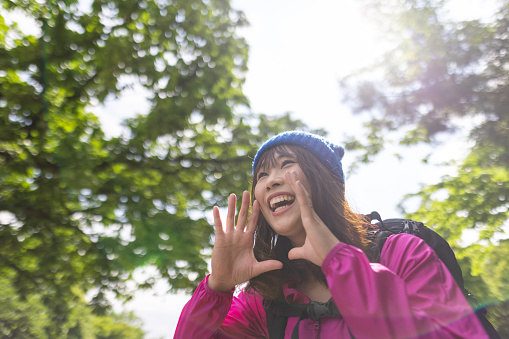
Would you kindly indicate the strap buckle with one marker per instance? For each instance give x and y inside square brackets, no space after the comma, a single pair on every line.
[316,310]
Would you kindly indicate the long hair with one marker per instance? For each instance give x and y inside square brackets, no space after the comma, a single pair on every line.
[328,198]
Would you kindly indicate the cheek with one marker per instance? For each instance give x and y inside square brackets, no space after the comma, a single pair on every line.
[259,194]
[258,190]
[302,177]
[306,185]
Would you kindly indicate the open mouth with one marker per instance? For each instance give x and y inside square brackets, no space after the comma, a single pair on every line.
[280,202]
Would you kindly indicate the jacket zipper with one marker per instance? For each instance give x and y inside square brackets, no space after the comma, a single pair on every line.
[317,329]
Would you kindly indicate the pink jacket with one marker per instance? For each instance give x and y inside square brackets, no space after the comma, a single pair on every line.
[409,294]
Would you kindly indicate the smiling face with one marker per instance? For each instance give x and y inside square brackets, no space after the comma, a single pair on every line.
[279,230]
[276,196]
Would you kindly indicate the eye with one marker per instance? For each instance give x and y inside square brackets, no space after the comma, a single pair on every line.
[287,162]
[260,175]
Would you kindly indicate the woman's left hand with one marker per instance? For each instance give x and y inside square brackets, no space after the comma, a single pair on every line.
[319,239]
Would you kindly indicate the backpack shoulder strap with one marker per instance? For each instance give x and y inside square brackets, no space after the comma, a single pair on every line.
[444,252]
[276,323]
[434,240]
[278,311]
[442,249]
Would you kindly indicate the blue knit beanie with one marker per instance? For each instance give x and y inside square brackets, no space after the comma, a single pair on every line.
[328,153]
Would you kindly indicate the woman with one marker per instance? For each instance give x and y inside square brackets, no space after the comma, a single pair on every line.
[309,246]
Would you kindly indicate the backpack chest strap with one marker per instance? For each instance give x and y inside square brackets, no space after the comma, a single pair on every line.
[314,311]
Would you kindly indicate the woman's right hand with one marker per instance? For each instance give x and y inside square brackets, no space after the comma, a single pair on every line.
[233,260]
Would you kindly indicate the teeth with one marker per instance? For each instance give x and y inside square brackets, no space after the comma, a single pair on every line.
[278,199]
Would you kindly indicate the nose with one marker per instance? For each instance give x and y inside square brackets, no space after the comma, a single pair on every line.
[275,179]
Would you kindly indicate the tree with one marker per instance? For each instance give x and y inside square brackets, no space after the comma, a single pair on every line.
[82,211]
[26,317]
[118,326]
[438,75]
[20,318]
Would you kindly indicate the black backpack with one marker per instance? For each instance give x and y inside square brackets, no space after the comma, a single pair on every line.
[278,311]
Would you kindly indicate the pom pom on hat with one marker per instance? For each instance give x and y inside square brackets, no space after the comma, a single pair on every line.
[327,152]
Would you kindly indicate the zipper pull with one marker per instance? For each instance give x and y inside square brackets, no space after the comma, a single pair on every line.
[317,328]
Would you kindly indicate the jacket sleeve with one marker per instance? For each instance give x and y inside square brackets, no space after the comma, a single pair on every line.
[410,294]
[212,314]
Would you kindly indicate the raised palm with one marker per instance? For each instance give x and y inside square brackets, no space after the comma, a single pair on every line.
[233,260]
[319,239]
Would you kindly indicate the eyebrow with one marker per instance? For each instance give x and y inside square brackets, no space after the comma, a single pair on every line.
[278,153]
[276,158]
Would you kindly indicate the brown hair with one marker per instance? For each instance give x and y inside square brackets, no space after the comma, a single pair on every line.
[328,198]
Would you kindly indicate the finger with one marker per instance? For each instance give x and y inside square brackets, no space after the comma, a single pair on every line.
[218,225]
[244,209]
[296,253]
[253,219]
[265,266]
[230,217]
[305,253]
[302,194]
[308,214]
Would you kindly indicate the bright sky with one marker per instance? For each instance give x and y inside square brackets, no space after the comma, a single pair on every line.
[298,51]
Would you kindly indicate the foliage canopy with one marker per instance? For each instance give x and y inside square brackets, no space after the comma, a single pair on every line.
[439,75]
[82,211]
